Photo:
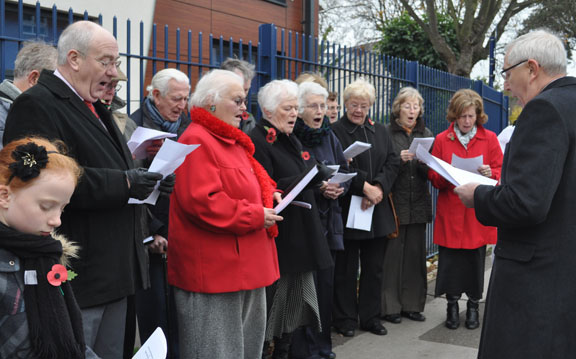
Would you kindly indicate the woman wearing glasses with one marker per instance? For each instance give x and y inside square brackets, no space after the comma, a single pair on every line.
[314,132]
[302,246]
[460,237]
[405,282]
[377,169]
[222,253]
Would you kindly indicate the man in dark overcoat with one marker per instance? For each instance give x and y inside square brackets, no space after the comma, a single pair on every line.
[530,304]
[64,106]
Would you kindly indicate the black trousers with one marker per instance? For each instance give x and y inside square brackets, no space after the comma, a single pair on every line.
[355,300]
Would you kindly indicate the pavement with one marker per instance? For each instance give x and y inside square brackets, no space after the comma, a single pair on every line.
[412,340]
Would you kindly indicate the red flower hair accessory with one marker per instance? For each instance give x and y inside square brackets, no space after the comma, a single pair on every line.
[57,275]
[305,155]
[271,136]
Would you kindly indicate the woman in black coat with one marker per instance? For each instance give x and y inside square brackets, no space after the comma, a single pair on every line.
[377,169]
[301,244]
[405,281]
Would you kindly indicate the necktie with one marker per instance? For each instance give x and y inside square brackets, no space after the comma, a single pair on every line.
[91,107]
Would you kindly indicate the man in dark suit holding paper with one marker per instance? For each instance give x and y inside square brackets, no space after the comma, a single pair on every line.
[530,303]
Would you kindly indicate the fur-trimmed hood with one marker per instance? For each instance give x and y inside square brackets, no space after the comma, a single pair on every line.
[69,249]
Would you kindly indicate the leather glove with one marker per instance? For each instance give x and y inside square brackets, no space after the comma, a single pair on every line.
[141,182]
[167,184]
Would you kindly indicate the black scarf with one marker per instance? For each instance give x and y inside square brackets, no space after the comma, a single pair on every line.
[311,137]
[54,318]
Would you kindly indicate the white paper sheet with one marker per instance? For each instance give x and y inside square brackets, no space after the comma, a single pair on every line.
[468,164]
[170,156]
[357,218]
[342,177]
[142,137]
[154,348]
[504,137]
[301,204]
[334,168]
[452,174]
[296,190]
[425,142]
[355,149]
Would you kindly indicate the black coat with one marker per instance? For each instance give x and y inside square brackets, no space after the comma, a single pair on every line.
[113,262]
[410,192]
[379,164]
[530,303]
[301,244]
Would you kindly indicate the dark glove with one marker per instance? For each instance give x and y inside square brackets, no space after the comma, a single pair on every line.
[167,184]
[324,173]
[141,182]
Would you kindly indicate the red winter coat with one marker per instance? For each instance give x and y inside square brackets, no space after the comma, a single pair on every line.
[217,238]
[456,226]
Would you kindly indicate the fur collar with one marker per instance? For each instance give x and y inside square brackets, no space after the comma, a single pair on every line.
[69,249]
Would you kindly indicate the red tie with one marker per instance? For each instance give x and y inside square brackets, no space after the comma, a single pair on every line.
[91,107]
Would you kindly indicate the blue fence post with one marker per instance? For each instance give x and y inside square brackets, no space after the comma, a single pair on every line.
[267,64]
[412,74]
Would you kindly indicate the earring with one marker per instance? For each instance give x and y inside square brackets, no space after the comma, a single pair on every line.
[213,108]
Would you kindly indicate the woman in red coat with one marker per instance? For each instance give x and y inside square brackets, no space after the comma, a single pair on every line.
[222,252]
[461,238]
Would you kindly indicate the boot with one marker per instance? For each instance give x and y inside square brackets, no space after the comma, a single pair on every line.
[472,314]
[282,346]
[452,312]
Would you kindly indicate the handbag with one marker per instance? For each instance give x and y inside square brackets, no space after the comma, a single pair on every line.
[396,232]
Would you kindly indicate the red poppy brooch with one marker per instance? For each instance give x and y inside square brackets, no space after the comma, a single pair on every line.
[245,115]
[305,155]
[271,134]
[451,136]
[57,275]
[371,122]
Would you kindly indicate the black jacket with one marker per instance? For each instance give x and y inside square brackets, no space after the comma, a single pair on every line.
[113,261]
[379,164]
[301,244]
[411,194]
[530,302]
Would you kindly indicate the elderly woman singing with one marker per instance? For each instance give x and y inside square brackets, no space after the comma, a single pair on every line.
[302,246]
[222,251]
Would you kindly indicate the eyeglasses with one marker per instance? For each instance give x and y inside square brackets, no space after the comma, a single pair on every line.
[239,101]
[504,72]
[362,107]
[107,64]
[117,88]
[334,108]
[316,106]
[407,106]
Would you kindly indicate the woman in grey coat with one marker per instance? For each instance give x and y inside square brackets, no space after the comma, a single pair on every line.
[404,275]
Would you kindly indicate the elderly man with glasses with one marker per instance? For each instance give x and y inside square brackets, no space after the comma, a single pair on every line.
[530,302]
[64,106]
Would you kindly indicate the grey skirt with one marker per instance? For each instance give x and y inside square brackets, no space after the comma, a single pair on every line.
[292,303]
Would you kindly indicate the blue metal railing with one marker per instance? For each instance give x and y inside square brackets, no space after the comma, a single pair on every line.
[278,54]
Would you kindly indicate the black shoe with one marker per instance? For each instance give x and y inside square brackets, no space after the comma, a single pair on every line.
[347,332]
[415,316]
[392,318]
[376,328]
[452,313]
[332,355]
[472,315]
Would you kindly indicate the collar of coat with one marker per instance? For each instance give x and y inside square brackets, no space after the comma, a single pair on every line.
[419,127]
[221,129]
[351,127]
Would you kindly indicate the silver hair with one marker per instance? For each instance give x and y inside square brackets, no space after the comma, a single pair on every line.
[210,87]
[247,69]
[360,88]
[309,88]
[541,45]
[76,36]
[162,78]
[406,94]
[32,56]
[275,92]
